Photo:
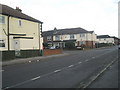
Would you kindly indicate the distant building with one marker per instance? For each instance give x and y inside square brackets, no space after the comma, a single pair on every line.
[107,39]
[80,36]
[20,34]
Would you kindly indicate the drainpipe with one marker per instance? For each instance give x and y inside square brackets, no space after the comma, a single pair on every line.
[8,34]
[39,35]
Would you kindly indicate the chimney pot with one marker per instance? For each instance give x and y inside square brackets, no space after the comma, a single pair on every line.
[18,9]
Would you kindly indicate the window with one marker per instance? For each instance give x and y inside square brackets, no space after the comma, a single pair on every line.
[20,23]
[82,42]
[57,37]
[2,43]
[49,38]
[82,35]
[2,19]
[72,37]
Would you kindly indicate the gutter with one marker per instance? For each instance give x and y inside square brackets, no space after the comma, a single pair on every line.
[39,34]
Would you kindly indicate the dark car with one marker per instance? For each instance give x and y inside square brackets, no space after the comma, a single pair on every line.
[118,46]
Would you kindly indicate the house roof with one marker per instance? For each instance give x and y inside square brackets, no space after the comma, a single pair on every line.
[66,31]
[6,10]
[103,36]
[114,37]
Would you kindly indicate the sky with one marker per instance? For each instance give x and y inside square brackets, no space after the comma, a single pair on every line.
[100,16]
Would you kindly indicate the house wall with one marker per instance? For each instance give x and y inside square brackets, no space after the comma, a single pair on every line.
[27,27]
[66,37]
[89,39]
[31,29]
[2,33]
[105,40]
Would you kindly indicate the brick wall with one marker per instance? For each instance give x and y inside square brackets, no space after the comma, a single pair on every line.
[89,44]
[52,52]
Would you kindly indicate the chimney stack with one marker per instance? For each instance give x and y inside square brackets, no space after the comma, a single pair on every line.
[18,9]
[55,28]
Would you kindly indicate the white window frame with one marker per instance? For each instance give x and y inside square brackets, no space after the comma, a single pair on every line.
[82,43]
[2,43]
[72,36]
[57,37]
[82,35]
[2,19]
[49,38]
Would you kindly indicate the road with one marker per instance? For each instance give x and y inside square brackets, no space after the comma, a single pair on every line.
[75,70]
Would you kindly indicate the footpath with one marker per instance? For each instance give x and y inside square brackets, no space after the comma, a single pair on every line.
[24,60]
[108,79]
[39,58]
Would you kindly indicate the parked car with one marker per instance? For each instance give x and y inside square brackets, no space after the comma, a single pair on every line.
[79,48]
[118,46]
[57,47]
[52,47]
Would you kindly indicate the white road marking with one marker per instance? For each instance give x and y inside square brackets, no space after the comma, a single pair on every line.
[71,66]
[6,88]
[93,57]
[1,70]
[35,78]
[57,70]
[79,62]
[86,60]
[37,60]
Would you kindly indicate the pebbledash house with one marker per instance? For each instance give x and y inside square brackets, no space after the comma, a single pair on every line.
[20,34]
[79,36]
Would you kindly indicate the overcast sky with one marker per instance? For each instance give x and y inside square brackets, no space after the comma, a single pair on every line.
[98,15]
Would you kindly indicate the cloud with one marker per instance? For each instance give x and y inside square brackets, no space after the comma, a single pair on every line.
[97,15]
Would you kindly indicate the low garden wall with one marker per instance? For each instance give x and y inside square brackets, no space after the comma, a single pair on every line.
[47,52]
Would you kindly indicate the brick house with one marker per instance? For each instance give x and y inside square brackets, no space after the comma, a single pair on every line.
[80,36]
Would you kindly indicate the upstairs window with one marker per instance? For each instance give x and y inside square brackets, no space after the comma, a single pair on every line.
[82,42]
[2,43]
[57,37]
[49,38]
[72,37]
[82,35]
[20,23]
[2,19]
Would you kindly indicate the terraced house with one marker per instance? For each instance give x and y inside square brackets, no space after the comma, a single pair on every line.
[20,34]
[108,39]
[79,36]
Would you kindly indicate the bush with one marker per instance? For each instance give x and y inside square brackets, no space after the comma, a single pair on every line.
[70,45]
[103,44]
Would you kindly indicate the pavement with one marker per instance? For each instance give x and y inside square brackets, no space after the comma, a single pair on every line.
[31,59]
[76,70]
[109,77]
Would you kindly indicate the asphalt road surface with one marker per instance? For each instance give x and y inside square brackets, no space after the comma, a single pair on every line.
[76,70]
